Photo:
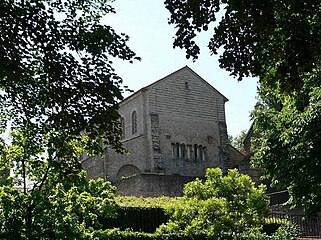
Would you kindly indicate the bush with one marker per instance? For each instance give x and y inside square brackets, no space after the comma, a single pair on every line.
[61,211]
[116,234]
[285,231]
[146,202]
[221,207]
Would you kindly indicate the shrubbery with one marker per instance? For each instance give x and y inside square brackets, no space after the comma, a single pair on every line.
[222,207]
[146,202]
[285,231]
[70,211]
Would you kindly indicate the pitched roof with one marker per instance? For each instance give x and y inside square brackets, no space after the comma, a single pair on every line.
[173,73]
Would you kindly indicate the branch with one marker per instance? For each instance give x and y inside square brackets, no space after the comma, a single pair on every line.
[43,180]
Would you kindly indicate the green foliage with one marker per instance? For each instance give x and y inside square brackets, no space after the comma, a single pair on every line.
[116,234]
[146,202]
[222,207]
[255,36]
[289,140]
[55,70]
[286,231]
[59,94]
[278,41]
[62,211]
[237,141]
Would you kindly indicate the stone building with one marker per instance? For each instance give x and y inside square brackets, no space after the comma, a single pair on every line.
[173,129]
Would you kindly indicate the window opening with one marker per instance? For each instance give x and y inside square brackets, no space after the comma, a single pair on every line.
[189,151]
[200,152]
[195,152]
[204,153]
[183,151]
[178,151]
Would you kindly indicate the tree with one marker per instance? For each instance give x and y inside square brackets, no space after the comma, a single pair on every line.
[281,39]
[280,43]
[59,94]
[55,68]
[58,85]
[287,148]
[237,141]
[59,211]
[221,207]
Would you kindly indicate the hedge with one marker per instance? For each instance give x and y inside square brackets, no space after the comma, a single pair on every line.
[117,234]
[288,233]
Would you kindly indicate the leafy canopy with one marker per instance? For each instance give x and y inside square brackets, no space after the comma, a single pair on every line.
[238,140]
[59,211]
[59,94]
[254,36]
[278,41]
[289,140]
[55,68]
[59,90]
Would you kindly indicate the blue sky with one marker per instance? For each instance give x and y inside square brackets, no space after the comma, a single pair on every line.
[151,37]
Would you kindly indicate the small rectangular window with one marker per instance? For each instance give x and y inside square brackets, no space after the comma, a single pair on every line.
[195,152]
[175,151]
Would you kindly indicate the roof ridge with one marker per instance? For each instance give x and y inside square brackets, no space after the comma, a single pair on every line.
[167,76]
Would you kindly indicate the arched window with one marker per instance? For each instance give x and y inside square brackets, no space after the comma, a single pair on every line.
[189,151]
[134,122]
[122,123]
[196,152]
[204,153]
[200,152]
[183,151]
[175,151]
[178,151]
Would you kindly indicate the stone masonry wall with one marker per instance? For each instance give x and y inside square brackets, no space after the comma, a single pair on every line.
[180,109]
[136,144]
[152,185]
[156,148]
[94,167]
[189,112]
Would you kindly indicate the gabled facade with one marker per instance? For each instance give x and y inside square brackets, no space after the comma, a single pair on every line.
[175,126]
